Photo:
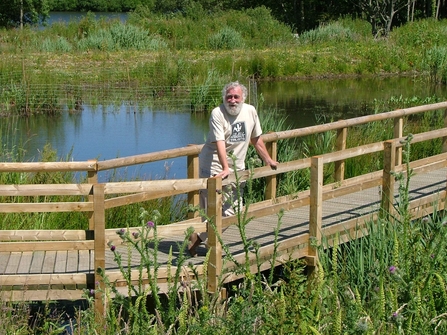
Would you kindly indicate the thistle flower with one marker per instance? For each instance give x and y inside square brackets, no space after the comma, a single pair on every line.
[112,247]
[121,232]
[150,224]
[392,269]
[135,234]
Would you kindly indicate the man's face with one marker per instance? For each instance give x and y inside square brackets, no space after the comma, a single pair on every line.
[233,100]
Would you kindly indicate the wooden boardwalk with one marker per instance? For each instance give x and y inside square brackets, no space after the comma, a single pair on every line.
[60,264]
[293,223]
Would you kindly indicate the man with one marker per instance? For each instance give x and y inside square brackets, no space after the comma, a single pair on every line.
[233,126]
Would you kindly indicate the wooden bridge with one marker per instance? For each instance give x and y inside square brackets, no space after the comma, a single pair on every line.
[61,264]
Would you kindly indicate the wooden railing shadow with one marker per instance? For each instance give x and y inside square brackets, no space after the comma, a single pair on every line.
[90,245]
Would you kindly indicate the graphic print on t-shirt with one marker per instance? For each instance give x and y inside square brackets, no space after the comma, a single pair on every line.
[238,133]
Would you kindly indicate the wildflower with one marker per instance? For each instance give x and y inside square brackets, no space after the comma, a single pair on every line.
[112,247]
[395,315]
[121,232]
[150,224]
[92,292]
[392,269]
[135,234]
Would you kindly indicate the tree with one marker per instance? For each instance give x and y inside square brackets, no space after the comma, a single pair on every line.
[14,13]
[380,13]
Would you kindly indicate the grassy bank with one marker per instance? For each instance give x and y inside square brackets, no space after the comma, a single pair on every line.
[152,58]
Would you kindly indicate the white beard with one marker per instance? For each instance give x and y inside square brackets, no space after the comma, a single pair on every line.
[233,110]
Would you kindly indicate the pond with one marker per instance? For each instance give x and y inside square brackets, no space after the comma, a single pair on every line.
[106,132]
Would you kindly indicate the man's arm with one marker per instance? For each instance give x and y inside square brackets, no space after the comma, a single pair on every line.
[222,155]
[259,145]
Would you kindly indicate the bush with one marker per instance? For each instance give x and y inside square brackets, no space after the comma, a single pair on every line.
[226,38]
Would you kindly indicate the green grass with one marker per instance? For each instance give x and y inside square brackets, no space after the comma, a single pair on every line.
[42,69]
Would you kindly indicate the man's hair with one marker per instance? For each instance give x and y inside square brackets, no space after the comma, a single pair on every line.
[235,84]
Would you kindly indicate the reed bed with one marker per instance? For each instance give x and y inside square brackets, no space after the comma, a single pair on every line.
[149,58]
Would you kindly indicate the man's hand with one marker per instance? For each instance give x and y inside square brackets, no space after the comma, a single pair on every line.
[224,174]
[273,164]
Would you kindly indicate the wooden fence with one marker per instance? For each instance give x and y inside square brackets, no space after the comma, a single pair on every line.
[97,197]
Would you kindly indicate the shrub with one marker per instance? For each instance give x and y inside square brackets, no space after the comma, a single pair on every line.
[226,38]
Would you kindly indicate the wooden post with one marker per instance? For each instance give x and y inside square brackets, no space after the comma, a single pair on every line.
[214,211]
[315,211]
[270,190]
[92,178]
[193,173]
[389,156]
[99,245]
[398,132]
[340,144]
[444,139]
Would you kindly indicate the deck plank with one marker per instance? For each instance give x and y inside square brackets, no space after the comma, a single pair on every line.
[37,262]
[13,264]
[4,259]
[49,262]
[25,263]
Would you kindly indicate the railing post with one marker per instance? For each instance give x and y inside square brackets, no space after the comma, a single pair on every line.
[389,156]
[315,211]
[99,245]
[214,212]
[193,173]
[92,178]
[340,144]
[444,139]
[398,132]
[270,190]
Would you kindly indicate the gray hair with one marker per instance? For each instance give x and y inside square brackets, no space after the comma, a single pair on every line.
[235,84]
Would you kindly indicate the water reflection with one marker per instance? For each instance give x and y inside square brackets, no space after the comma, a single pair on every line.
[106,132]
[307,102]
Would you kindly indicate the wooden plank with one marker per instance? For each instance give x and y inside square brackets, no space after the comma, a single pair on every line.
[4,259]
[49,262]
[84,261]
[46,207]
[42,295]
[47,166]
[13,264]
[37,262]
[42,235]
[46,246]
[25,263]
[305,131]
[50,279]
[72,261]
[45,189]
[176,186]
[60,265]
[149,157]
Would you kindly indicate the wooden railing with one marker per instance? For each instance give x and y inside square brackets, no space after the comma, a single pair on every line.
[97,197]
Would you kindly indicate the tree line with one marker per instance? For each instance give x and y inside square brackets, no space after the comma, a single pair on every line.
[300,15]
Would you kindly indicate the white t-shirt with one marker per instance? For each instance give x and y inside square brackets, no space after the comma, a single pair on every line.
[236,131]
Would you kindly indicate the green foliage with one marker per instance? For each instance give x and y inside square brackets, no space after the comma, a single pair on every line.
[13,13]
[208,95]
[226,38]
[334,32]
[121,37]
[435,62]
[386,274]
[59,45]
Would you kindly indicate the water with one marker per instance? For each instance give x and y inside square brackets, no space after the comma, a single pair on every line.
[106,132]
[64,17]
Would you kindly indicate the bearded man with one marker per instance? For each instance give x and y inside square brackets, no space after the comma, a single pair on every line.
[233,126]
